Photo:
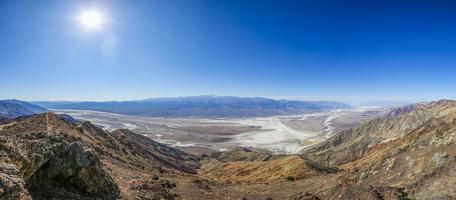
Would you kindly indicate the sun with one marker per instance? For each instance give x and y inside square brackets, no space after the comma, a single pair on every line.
[91,19]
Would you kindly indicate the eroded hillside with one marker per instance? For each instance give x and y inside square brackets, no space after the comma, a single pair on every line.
[408,154]
[46,157]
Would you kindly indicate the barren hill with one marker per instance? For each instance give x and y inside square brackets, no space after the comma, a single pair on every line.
[408,154]
[14,108]
[45,157]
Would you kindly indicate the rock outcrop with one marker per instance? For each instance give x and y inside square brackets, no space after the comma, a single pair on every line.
[408,154]
[354,143]
[47,157]
[413,151]
[41,163]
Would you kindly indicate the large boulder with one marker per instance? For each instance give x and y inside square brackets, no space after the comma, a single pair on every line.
[40,162]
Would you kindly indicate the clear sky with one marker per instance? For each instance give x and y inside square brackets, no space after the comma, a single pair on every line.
[296,49]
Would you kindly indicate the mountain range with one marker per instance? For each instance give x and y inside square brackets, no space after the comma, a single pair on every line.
[201,106]
[14,108]
[407,154]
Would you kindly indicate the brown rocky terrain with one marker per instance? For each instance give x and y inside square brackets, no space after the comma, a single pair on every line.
[46,157]
[408,154]
[413,150]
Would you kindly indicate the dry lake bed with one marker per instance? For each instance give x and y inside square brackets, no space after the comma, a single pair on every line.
[278,134]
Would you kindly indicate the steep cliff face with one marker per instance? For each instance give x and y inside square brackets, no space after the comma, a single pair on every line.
[40,162]
[45,157]
[414,150]
[408,154]
[422,161]
[160,154]
[352,144]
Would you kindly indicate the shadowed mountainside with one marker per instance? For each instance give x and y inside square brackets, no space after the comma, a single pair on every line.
[412,148]
[202,106]
[14,108]
[408,154]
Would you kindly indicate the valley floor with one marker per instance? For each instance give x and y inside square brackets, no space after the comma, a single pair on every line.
[277,134]
[407,154]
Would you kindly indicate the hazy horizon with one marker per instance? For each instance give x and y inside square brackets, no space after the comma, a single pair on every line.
[387,102]
[227,99]
[354,101]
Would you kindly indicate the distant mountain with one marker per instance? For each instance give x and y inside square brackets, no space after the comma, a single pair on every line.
[408,154]
[49,104]
[387,104]
[15,108]
[202,106]
[4,119]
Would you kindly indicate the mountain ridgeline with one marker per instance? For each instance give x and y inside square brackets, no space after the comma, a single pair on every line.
[10,109]
[202,106]
[408,154]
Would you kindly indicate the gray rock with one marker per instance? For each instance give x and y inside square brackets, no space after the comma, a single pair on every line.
[440,158]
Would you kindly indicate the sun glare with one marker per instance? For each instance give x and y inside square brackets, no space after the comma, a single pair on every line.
[91,19]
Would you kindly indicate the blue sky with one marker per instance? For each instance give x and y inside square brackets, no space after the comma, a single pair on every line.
[338,50]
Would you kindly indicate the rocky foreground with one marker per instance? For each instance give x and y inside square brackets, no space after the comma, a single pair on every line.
[408,154]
